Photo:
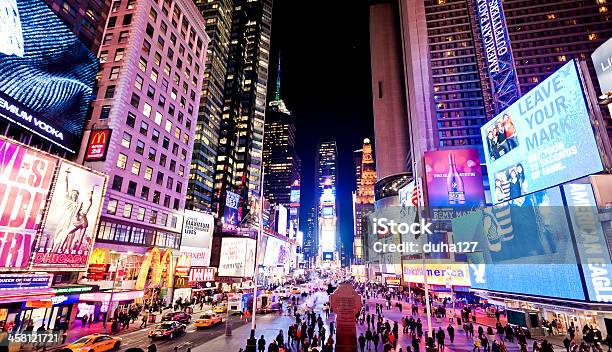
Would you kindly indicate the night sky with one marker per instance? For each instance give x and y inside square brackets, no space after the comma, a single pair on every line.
[326,84]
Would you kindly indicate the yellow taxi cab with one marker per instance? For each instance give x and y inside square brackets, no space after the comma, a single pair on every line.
[95,343]
[295,290]
[207,320]
[221,308]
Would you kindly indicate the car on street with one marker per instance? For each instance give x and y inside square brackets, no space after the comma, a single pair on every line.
[94,343]
[177,316]
[207,320]
[167,330]
[220,308]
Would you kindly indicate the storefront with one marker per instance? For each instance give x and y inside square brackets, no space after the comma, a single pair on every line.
[99,303]
[18,289]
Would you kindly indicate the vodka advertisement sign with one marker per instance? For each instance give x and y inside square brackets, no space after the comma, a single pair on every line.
[26,177]
[498,53]
[454,178]
[69,231]
[542,139]
[196,238]
[46,73]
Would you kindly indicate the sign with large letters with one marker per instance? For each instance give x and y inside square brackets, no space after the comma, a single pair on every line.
[602,60]
[26,176]
[97,145]
[24,281]
[196,239]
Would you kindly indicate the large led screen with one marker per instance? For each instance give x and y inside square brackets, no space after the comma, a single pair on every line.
[46,73]
[196,238]
[542,139]
[277,252]
[523,246]
[237,257]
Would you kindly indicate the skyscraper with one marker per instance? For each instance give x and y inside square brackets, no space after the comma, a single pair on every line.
[326,166]
[310,234]
[363,198]
[281,162]
[87,18]
[218,17]
[239,155]
[153,60]
[326,177]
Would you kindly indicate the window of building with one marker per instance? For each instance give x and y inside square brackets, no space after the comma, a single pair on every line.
[146,109]
[132,188]
[162,160]
[123,36]
[108,38]
[154,75]
[162,101]
[130,120]
[140,145]
[110,92]
[156,197]
[155,136]
[172,165]
[159,179]
[111,207]
[126,141]
[169,182]
[117,183]
[127,19]
[119,53]
[153,217]
[140,215]
[175,148]
[127,210]
[148,174]
[167,201]
[153,14]
[152,153]
[142,64]
[168,126]
[170,53]
[157,58]
[181,171]
[179,187]
[166,143]
[136,167]
[121,161]
[167,69]
[103,56]
[114,72]
[105,112]
[176,206]
[151,92]
[150,30]
[135,100]
[160,41]
[116,6]
[144,128]
[138,82]
[146,46]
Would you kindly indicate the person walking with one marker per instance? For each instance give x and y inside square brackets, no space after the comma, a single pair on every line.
[261,344]
[368,337]
[451,333]
[143,323]
[362,342]
[440,336]
[375,339]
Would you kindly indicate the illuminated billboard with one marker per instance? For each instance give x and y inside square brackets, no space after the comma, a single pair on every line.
[277,252]
[237,257]
[542,139]
[438,274]
[524,247]
[72,217]
[46,73]
[26,176]
[231,213]
[196,238]
[602,61]
[281,222]
[97,145]
[453,178]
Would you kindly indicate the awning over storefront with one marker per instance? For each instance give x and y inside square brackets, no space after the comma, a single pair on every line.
[15,296]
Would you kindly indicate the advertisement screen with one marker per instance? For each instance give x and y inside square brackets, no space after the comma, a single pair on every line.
[26,176]
[46,73]
[454,177]
[69,230]
[237,257]
[541,140]
[196,238]
[602,61]
[523,246]
[281,223]
[328,256]
[231,215]
[590,240]
[277,252]
[438,274]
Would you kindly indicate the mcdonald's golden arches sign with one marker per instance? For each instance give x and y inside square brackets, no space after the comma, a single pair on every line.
[97,145]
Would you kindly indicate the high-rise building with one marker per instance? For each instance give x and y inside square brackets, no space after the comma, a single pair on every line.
[326,164]
[281,162]
[239,155]
[149,87]
[310,234]
[363,199]
[87,18]
[218,17]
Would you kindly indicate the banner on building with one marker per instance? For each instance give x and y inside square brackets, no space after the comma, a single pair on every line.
[196,239]
[237,257]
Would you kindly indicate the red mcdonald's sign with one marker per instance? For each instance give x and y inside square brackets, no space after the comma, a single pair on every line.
[97,145]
